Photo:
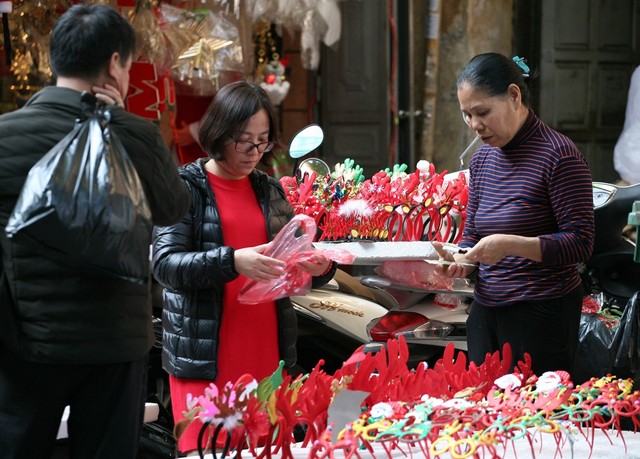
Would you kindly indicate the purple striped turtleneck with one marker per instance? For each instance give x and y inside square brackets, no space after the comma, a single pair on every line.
[537,185]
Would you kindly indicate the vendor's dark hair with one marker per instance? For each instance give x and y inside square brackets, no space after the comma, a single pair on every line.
[84,39]
[229,114]
[493,73]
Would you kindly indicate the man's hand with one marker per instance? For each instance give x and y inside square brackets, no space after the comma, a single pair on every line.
[108,95]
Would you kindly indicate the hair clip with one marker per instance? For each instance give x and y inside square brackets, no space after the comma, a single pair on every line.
[521,61]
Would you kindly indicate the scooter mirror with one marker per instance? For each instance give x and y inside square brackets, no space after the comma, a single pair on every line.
[310,165]
[305,141]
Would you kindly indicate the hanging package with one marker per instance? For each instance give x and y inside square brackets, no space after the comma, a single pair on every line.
[83,203]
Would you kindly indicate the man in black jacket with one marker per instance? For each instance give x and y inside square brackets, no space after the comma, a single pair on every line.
[69,336]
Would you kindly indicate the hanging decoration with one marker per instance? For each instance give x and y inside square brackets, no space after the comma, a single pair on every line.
[271,66]
[144,98]
[30,23]
[215,50]
[162,33]
[317,21]
[196,47]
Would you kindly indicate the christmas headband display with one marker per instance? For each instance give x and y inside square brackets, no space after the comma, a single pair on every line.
[452,409]
[392,205]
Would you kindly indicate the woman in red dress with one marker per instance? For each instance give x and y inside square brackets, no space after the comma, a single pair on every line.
[203,261]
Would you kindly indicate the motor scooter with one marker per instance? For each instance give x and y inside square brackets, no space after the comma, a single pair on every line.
[352,311]
[611,270]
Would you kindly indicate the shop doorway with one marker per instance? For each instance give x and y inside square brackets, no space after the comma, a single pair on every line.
[588,51]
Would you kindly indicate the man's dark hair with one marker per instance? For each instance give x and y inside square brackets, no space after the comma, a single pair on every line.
[84,39]
[229,114]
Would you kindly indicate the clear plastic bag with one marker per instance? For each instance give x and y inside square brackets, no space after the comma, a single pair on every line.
[414,273]
[292,245]
[83,203]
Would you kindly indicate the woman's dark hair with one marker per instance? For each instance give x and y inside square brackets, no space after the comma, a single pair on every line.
[493,73]
[84,39]
[228,115]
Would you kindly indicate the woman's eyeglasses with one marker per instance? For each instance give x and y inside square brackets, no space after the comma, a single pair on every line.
[244,146]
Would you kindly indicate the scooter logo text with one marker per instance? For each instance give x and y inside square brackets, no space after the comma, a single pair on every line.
[337,307]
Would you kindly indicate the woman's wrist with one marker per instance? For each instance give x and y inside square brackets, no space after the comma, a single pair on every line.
[328,270]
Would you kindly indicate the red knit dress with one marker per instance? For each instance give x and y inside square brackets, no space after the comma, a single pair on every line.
[248,340]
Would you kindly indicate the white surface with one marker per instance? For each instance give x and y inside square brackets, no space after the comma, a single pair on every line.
[151,412]
[544,446]
[371,253]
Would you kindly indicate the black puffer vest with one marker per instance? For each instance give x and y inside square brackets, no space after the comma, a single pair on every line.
[193,265]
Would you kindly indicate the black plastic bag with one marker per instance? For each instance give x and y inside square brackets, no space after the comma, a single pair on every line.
[83,203]
[156,439]
[604,350]
[157,442]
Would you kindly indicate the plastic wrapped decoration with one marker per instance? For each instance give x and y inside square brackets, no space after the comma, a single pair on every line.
[313,28]
[260,10]
[292,245]
[319,21]
[163,33]
[322,24]
[216,50]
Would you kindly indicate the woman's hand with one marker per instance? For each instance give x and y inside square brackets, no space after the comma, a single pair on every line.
[491,249]
[252,264]
[316,265]
[108,95]
[455,269]
[184,134]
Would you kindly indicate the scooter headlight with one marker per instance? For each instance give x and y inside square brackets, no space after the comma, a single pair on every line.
[432,329]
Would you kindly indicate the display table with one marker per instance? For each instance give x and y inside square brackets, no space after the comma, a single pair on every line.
[374,253]
[544,446]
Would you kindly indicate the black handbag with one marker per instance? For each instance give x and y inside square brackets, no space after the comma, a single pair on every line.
[83,203]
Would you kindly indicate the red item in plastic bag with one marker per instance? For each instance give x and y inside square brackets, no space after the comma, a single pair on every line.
[292,245]
[447,300]
[414,273]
